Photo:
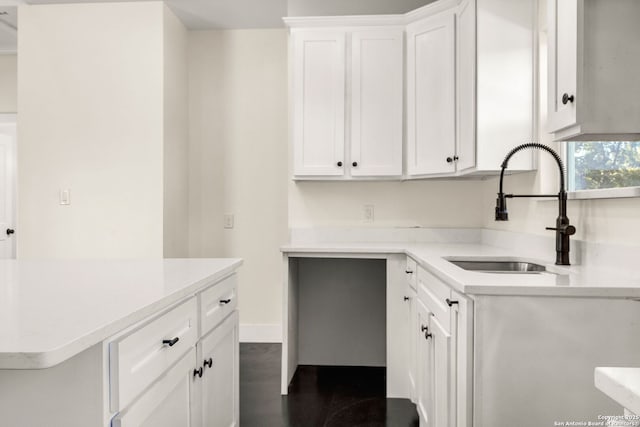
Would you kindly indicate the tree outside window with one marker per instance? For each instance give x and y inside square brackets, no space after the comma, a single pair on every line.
[603,164]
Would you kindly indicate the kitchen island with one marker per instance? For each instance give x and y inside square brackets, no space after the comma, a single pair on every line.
[100,343]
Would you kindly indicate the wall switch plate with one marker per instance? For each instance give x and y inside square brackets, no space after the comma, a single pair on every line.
[368,213]
[228,220]
[65,196]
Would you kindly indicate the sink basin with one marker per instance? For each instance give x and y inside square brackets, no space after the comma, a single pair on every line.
[500,266]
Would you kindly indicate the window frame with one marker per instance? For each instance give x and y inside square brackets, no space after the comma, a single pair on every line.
[601,193]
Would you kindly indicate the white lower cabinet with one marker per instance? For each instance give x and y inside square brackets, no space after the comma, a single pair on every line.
[167,403]
[218,389]
[443,354]
[425,367]
[150,388]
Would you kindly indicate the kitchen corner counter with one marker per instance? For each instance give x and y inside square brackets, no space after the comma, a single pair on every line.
[575,280]
[621,385]
[53,310]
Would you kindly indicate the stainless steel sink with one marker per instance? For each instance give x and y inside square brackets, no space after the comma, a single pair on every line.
[500,266]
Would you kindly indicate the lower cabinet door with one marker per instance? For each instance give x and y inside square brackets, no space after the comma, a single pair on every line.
[219,388]
[441,374]
[413,338]
[166,403]
[424,371]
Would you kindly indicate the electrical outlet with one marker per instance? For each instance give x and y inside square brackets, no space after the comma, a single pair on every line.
[228,220]
[368,211]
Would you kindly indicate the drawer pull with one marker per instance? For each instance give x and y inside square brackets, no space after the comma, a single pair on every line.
[408,271]
[407,298]
[198,372]
[208,363]
[225,301]
[450,302]
[172,342]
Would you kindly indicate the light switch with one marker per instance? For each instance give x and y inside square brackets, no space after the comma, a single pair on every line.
[368,213]
[228,220]
[65,196]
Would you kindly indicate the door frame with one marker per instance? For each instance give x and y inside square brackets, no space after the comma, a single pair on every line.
[9,120]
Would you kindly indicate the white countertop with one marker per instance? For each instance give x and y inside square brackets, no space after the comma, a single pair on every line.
[53,310]
[620,384]
[583,281]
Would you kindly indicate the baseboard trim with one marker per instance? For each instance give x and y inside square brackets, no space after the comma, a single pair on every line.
[261,332]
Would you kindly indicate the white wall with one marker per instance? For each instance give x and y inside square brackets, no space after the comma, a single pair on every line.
[176,138]
[8,83]
[612,221]
[238,154]
[91,120]
[351,7]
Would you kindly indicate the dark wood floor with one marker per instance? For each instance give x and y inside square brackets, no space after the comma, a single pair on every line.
[318,396]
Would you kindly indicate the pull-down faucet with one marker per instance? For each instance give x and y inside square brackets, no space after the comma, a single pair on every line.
[563,229]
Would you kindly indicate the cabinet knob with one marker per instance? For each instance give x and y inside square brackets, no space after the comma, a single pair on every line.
[208,363]
[407,298]
[10,231]
[225,301]
[566,98]
[354,164]
[171,342]
[450,302]
[339,164]
[198,372]
[427,335]
[424,328]
[449,159]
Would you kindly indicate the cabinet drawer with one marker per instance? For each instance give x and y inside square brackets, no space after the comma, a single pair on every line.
[412,272]
[434,294]
[217,302]
[140,357]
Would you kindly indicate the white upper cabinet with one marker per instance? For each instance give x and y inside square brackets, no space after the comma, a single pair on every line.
[347,102]
[470,86]
[469,93]
[563,69]
[319,103]
[376,102]
[466,85]
[592,69]
[431,132]
[347,82]
[496,84]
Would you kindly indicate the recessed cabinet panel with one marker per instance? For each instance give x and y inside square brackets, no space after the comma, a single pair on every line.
[563,62]
[424,365]
[376,103]
[466,86]
[431,95]
[442,373]
[220,381]
[318,103]
[166,403]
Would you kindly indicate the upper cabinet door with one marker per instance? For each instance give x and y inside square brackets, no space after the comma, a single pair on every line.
[376,102]
[466,85]
[431,95]
[318,103]
[563,62]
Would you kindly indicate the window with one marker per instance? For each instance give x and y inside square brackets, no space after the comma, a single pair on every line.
[593,165]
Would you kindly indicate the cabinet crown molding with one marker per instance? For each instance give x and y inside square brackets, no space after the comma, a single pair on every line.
[370,20]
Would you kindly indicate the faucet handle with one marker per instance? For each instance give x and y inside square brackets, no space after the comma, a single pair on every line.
[569,230]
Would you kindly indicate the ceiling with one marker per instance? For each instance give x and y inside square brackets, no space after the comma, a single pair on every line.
[195,14]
